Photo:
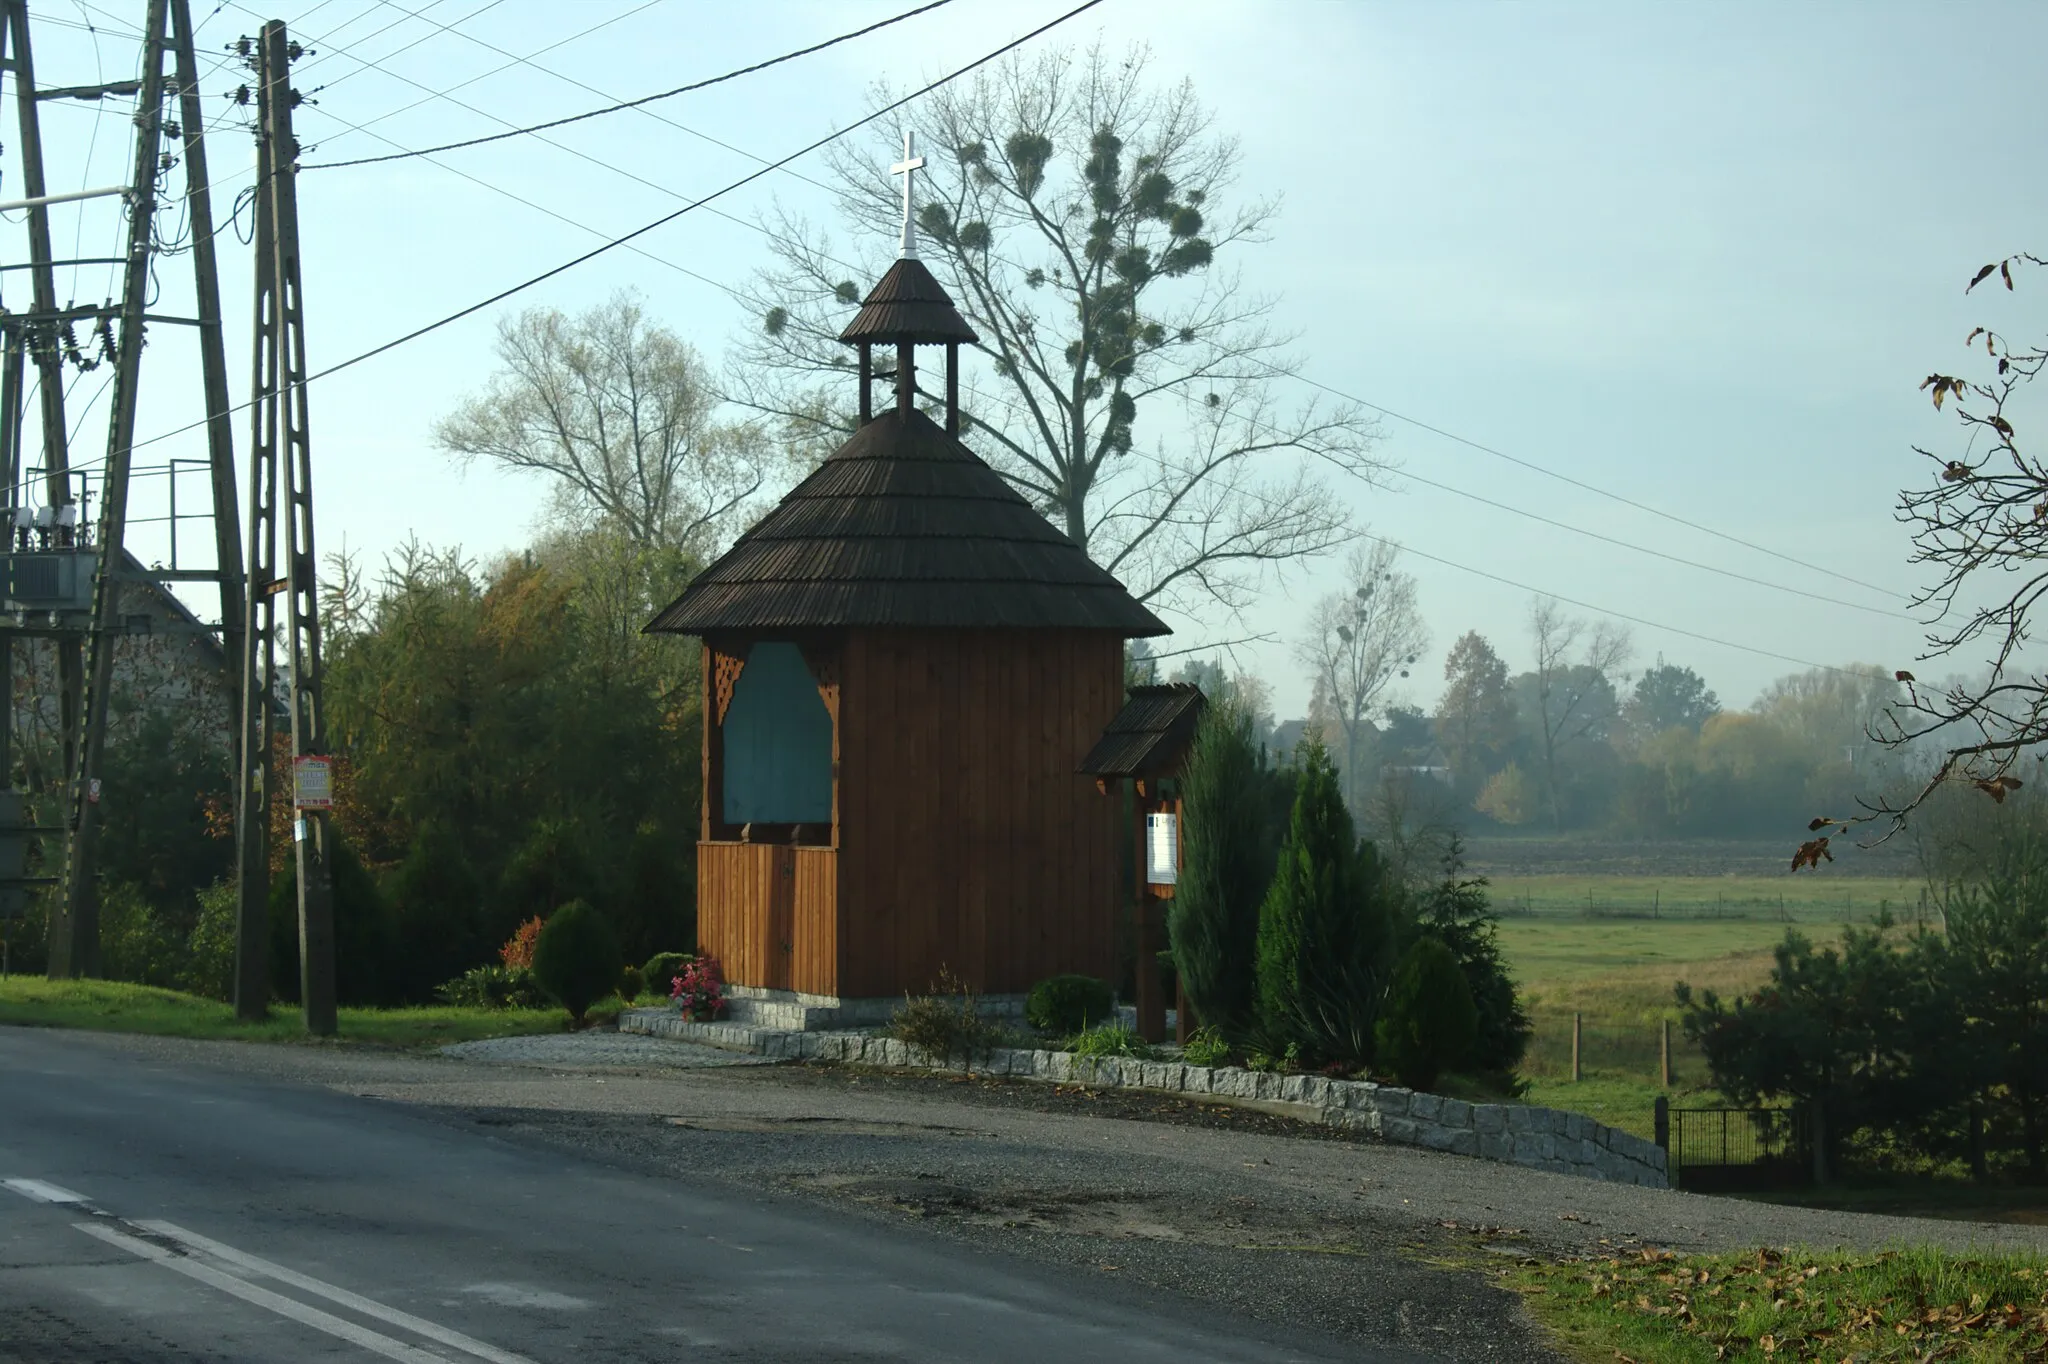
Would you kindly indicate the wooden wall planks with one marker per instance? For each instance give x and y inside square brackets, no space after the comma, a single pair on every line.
[968,841]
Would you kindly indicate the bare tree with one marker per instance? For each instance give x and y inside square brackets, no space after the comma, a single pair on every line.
[1573,683]
[1074,210]
[1982,524]
[1359,643]
[618,411]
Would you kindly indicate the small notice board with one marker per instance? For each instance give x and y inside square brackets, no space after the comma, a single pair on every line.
[312,783]
[1162,849]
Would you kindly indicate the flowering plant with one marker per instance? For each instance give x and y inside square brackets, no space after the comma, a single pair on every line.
[699,991]
[517,953]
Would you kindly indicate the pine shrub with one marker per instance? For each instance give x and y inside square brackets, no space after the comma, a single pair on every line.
[659,974]
[1213,919]
[1068,1004]
[1325,928]
[576,959]
[1430,1023]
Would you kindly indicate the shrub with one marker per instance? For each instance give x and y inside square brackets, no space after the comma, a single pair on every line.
[1213,919]
[1110,1039]
[945,1023]
[136,944]
[661,970]
[1429,1024]
[657,900]
[210,951]
[576,958]
[631,983]
[493,987]
[517,953]
[700,990]
[1325,929]
[1206,1047]
[1069,1003]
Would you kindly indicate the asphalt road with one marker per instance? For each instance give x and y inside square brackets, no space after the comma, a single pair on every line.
[154,1210]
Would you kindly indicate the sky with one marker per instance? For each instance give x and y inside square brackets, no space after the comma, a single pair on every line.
[1699,256]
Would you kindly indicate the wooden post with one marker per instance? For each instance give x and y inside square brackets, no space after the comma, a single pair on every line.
[1665,1054]
[1577,1022]
[1151,1001]
[1184,1020]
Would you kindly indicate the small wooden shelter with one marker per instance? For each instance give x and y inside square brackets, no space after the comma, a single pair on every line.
[1145,745]
[904,664]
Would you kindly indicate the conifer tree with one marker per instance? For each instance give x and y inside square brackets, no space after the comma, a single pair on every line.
[1325,928]
[1213,919]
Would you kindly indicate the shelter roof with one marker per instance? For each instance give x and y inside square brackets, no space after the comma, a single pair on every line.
[905,526]
[908,304]
[1150,734]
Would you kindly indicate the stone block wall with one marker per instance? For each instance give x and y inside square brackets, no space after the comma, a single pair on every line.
[1516,1134]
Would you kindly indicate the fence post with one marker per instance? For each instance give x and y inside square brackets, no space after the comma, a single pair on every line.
[1664,1055]
[1577,1020]
[1662,1111]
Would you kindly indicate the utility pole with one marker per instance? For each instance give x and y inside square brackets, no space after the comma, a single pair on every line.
[80,941]
[281,478]
[70,591]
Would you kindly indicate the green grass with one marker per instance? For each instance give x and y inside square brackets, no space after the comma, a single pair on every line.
[1804,898]
[112,1006]
[1918,1304]
[1616,974]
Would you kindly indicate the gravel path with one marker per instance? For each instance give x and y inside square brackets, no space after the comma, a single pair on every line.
[598,1050]
[1241,1210]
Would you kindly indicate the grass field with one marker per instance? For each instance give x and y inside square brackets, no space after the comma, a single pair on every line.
[1588,945]
[109,1006]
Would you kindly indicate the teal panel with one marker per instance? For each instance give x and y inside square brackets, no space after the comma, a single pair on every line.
[778,742]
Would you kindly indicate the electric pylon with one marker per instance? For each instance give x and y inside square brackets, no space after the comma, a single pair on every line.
[63,574]
[281,480]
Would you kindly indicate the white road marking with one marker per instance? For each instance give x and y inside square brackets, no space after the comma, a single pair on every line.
[41,1192]
[263,1297]
[353,1301]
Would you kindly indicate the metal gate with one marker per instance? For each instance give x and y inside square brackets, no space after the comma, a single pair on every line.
[1724,1150]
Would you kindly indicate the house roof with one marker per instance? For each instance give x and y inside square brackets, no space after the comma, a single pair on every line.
[908,304]
[905,526]
[1150,734]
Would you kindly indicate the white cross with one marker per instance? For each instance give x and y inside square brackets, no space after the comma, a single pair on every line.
[907,167]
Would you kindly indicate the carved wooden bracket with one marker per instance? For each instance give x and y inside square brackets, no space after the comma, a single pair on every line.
[725,675]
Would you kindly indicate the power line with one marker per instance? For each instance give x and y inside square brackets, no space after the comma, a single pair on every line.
[1601,610]
[662,221]
[644,99]
[1280,372]
[1608,493]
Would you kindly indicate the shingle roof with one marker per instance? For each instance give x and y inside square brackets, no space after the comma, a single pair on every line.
[907,304]
[905,526]
[1149,735]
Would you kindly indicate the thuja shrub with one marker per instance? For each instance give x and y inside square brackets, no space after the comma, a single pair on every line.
[631,983]
[1429,1022]
[659,974]
[576,958]
[1068,1004]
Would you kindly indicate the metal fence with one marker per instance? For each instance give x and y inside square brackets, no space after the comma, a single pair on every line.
[1729,1149]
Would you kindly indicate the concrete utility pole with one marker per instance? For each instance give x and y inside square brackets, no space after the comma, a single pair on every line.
[68,589]
[281,468]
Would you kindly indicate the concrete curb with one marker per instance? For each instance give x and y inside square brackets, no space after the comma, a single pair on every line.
[1516,1134]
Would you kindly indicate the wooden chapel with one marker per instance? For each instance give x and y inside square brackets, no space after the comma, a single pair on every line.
[904,666]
